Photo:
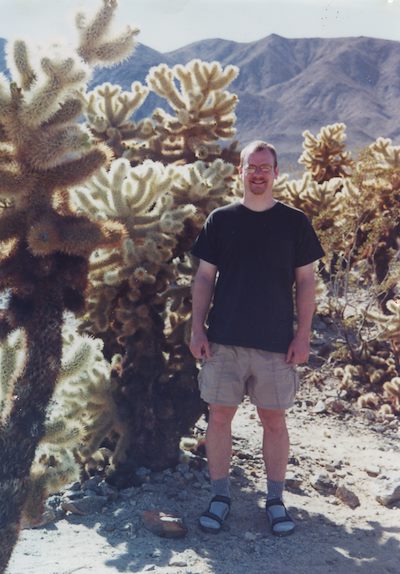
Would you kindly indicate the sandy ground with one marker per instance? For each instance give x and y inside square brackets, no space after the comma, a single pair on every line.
[330,537]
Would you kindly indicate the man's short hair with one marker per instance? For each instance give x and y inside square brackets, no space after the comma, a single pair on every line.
[258,145]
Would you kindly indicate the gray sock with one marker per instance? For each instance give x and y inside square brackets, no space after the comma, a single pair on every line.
[220,487]
[275,489]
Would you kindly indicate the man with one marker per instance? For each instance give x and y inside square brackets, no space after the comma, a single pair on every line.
[260,248]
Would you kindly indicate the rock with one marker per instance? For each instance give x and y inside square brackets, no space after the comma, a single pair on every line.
[249,536]
[178,562]
[388,491]
[85,505]
[54,501]
[92,483]
[372,470]
[337,406]
[323,483]
[334,465]
[340,473]
[244,455]
[380,428]
[164,525]
[347,496]
[72,494]
[369,414]
[107,490]
[319,408]
[293,480]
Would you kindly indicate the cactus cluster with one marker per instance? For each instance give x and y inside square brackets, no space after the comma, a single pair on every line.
[354,206]
[44,242]
[201,115]
[161,209]
[324,155]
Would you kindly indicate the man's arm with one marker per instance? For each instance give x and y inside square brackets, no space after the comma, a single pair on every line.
[203,288]
[299,348]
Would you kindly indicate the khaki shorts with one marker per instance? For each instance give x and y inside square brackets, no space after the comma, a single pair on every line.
[233,372]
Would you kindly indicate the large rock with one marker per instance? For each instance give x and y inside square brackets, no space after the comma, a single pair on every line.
[347,496]
[164,525]
[85,505]
[323,483]
[388,492]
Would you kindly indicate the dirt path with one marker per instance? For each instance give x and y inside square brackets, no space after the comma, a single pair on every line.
[331,537]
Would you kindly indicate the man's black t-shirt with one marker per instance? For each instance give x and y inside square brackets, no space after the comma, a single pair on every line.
[256,254]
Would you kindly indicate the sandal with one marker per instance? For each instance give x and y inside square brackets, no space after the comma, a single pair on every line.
[217,519]
[282,518]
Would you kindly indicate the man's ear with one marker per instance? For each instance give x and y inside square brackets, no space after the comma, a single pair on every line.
[240,169]
[276,171]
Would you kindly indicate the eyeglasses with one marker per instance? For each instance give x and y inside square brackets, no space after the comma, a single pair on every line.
[254,168]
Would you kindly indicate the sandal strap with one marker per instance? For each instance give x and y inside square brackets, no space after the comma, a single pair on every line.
[274,502]
[219,498]
[208,514]
[277,519]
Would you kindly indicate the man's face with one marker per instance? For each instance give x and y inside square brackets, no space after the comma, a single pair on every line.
[258,172]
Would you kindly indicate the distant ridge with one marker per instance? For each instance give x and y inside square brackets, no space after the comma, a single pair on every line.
[288,85]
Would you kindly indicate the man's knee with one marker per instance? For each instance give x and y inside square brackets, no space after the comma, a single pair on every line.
[273,421]
[220,415]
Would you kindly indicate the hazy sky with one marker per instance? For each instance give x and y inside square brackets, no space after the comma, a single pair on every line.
[169,24]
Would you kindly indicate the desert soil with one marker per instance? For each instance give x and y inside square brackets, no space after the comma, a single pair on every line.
[327,450]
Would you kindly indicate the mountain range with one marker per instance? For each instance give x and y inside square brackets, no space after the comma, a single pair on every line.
[286,86]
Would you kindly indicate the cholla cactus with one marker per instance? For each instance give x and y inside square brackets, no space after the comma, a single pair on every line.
[140,294]
[157,206]
[354,206]
[82,412]
[389,326]
[324,155]
[108,110]
[45,242]
[377,177]
[321,202]
[203,115]
[392,390]
[97,44]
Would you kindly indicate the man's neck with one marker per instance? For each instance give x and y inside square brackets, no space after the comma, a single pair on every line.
[258,203]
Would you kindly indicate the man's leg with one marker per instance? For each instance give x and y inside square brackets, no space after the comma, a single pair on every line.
[219,440]
[219,450]
[275,443]
[276,454]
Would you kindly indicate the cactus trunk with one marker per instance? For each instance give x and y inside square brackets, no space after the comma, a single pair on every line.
[24,428]
[156,409]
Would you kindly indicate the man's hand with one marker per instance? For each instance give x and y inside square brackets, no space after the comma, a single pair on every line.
[199,345]
[299,350]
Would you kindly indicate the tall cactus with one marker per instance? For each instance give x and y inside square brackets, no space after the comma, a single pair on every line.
[45,243]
